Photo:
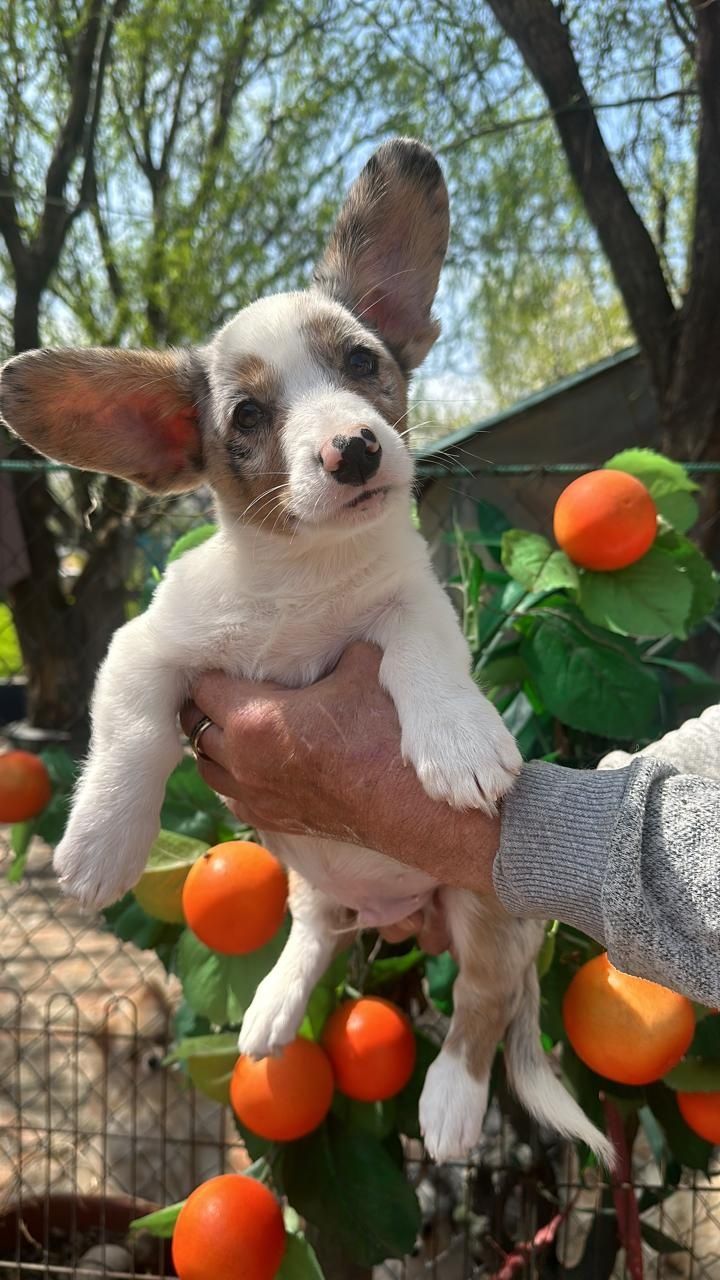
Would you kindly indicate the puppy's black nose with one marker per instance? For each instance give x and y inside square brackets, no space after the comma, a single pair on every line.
[352,458]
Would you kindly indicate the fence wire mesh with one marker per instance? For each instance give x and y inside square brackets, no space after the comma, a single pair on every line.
[96,1127]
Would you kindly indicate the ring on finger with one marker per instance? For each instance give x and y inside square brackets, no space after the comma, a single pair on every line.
[196,735]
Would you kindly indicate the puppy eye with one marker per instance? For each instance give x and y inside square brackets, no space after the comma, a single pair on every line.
[361,362]
[248,414]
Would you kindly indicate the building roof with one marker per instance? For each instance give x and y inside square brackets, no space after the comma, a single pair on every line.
[427,455]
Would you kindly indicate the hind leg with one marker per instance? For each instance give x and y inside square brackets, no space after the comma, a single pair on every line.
[492,956]
[319,931]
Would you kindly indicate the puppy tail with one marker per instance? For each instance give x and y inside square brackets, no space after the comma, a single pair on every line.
[531,1077]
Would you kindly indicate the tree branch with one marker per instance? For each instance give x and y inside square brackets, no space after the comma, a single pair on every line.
[701,307]
[538,31]
[10,224]
[56,213]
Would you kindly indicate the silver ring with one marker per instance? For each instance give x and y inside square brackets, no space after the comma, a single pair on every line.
[196,735]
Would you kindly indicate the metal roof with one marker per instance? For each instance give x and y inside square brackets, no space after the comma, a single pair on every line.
[529,402]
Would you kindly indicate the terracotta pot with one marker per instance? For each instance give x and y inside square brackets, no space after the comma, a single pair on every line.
[81,1213]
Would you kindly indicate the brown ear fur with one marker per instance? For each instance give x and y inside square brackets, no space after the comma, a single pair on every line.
[129,413]
[384,256]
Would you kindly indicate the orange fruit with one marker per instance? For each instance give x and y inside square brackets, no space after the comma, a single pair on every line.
[283,1098]
[625,1028]
[605,520]
[701,1112]
[371,1046]
[235,897]
[230,1228]
[25,787]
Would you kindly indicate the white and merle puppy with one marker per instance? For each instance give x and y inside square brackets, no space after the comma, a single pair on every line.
[293,414]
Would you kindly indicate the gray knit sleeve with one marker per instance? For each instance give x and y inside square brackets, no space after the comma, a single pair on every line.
[631,856]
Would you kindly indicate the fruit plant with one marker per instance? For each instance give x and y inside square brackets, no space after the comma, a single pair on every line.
[580,656]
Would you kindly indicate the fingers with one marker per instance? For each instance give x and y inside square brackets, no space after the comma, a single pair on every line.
[211,739]
[217,694]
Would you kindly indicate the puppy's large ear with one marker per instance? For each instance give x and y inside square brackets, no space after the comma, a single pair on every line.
[384,257]
[130,413]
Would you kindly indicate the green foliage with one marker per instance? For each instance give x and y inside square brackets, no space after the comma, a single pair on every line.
[345,1183]
[11,661]
[220,987]
[193,538]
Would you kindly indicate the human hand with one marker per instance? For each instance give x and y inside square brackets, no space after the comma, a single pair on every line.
[326,760]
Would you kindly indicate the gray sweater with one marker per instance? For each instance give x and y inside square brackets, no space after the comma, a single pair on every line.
[630,854]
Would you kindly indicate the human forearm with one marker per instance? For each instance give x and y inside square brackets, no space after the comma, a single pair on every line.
[631,857]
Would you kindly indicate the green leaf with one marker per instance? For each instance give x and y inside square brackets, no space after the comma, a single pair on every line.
[346,1184]
[11,659]
[408,1100]
[684,1145]
[319,1007]
[299,1261]
[375,1118]
[127,920]
[221,987]
[691,561]
[531,561]
[391,967]
[588,682]
[667,482]
[63,772]
[193,538]
[159,889]
[694,1075]
[191,808]
[546,953]
[659,1241]
[21,837]
[679,509]
[441,972]
[204,1047]
[161,1223]
[706,1042]
[652,597]
[492,523]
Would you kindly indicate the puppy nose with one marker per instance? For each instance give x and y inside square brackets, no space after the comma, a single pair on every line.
[352,458]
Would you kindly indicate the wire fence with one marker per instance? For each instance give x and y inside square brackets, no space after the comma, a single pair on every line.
[96,1127]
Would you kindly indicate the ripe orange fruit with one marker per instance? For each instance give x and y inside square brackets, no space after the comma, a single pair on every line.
[230,1228]
[605,520]
[235,897]
[371,1045]
[283,1098]
[625,1028]
[701,1111]
[25,787]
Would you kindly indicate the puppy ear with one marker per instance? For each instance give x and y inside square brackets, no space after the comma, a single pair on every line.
[130,413]
[384,257]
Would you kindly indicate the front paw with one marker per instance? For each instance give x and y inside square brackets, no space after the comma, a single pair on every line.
[273,1019]
[463,755]
[96,864]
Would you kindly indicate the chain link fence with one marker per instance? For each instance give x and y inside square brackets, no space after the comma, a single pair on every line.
[95,1126]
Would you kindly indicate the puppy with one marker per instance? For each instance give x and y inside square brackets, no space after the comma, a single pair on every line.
[293,413]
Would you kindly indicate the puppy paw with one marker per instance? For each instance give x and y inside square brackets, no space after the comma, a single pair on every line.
[273,1019]
[96,866]
[463,755]
[452,1109]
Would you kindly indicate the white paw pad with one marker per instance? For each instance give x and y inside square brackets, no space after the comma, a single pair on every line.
[452,1108]
[272,1020]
